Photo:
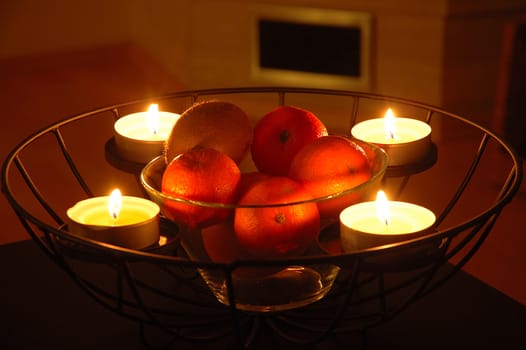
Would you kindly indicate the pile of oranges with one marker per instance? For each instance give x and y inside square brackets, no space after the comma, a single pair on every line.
[296,161]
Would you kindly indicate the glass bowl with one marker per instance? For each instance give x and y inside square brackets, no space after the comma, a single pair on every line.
[256,283]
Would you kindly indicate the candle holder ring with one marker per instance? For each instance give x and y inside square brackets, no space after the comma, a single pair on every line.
[113,158]
[416,167]
[178,293]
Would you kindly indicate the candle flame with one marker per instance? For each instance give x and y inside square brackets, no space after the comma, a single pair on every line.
[389,124]
[153,118]
[115,203]
[382,208]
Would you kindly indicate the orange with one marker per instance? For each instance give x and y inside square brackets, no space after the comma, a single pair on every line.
[280,134]
[202,174]
[272,231]
[221,245]
[215,124]
[329,165]
[249,179]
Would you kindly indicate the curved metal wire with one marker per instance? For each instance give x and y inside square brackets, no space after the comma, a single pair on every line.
[181,305]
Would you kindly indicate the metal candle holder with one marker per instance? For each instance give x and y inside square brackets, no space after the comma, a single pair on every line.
[160,287]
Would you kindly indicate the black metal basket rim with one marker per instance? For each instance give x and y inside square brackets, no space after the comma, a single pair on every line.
[303,260]
[240,90]
[504,198]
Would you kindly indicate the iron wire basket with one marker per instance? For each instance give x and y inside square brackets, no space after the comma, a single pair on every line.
[161,288]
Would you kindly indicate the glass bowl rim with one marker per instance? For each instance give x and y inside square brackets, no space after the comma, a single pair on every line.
[380,156]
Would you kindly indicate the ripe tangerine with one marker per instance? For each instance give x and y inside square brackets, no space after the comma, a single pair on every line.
[276,231]
[280,134]
[329,165]
[202,174]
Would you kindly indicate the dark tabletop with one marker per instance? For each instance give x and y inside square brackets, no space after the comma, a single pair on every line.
[43,308]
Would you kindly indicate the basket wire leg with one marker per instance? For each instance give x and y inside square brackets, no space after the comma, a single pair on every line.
[124,268]
[36,193]
[402,186]
[382,301]
[47,250]
[83,284]
[71,163]
[236,327]
[320,333]
[465,182]
[354,112]
[471,235]
[254,330]
[420,291]
[148,344]
[468,255]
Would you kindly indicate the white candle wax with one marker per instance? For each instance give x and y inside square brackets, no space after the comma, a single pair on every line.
[136,226]
[360,227]
[410,143]
[136,140]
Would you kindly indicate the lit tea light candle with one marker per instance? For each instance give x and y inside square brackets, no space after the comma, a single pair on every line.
[126,221]
[375,223]
[140,137]
[405,140]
